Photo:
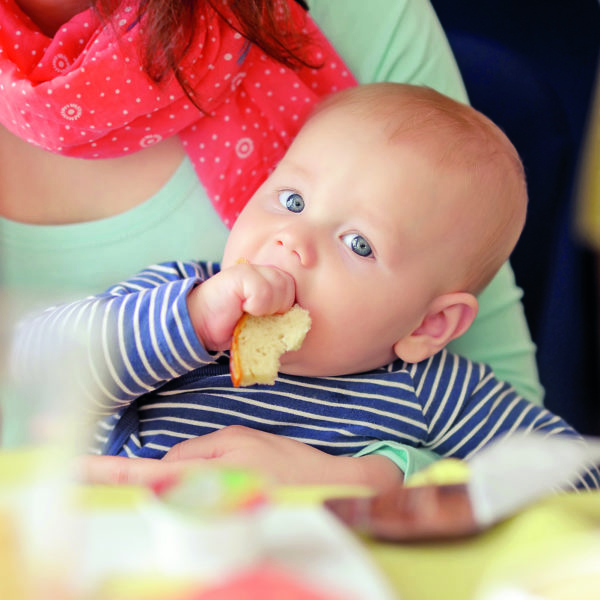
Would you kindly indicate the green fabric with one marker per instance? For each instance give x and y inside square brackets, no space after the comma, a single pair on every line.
[408,459]
[499,337]
[391,40]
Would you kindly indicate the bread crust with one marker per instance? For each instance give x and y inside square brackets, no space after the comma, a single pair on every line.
[255,353]
[235,365]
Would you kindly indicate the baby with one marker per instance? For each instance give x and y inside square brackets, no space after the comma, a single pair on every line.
[393,207]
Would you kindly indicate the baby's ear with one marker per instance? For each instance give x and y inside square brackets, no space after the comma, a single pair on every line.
[447,317]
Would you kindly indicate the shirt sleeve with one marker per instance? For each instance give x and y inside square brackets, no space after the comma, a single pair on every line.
[466,407]
[391,40]
[120,344]
[407,458]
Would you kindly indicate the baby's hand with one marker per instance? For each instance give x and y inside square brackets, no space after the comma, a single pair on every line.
[216,305]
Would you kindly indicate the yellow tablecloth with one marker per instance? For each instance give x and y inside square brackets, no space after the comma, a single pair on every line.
[544,544]
[533,549]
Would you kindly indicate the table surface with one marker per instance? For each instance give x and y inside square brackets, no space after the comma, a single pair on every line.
[549,544]
[552,545]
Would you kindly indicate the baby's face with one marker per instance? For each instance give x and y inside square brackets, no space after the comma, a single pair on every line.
[353,220]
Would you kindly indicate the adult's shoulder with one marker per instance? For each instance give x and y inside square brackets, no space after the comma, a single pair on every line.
[391,40]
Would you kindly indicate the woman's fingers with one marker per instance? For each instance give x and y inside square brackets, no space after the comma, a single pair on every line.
[123,470]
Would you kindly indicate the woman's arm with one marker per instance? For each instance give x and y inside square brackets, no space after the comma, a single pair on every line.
[391,40]
[500,337]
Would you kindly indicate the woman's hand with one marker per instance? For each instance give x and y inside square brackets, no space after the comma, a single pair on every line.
[285,460]
[216,305]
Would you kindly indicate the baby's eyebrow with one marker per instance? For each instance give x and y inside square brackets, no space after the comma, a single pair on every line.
[297,170]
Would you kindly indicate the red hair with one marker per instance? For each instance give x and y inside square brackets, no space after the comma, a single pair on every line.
[169,26]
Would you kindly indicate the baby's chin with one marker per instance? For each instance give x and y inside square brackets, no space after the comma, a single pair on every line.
[293,363]
[306,363]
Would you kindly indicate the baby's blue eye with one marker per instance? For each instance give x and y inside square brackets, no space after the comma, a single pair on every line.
[358,244]
[292,201]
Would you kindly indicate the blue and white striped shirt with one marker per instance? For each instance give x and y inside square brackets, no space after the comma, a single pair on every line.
[156,384]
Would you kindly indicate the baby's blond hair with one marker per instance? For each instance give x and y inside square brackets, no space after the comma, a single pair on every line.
[463,144]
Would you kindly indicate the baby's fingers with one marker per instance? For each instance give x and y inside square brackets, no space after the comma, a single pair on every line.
[267,290]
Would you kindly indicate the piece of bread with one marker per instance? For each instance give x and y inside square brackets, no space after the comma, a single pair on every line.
[259,342]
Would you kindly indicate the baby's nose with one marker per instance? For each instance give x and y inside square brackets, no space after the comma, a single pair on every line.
[300,245]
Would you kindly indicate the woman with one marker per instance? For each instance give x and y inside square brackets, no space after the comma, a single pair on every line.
[74,220]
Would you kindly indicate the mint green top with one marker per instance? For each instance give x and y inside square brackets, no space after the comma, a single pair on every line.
[397,40]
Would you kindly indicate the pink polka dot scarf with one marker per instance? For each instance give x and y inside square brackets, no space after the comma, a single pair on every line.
[82,93]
